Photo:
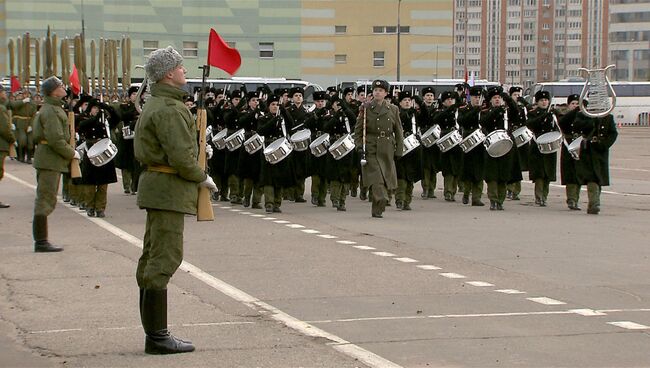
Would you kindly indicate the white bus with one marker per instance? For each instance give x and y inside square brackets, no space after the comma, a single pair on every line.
[415,87]
[632,99]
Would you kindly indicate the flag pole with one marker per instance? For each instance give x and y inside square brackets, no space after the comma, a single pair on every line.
[204,206]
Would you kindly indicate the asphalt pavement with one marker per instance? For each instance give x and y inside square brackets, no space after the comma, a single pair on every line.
[443,285]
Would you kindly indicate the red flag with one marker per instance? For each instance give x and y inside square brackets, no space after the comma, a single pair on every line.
[15,84]
[74,81]
[222,56]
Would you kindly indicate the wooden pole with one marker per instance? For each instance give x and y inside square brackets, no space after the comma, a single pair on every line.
[75,170]
[37,61]
[92,67]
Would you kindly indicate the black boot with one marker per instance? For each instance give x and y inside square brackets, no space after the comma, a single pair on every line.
[154,322]
[39,230]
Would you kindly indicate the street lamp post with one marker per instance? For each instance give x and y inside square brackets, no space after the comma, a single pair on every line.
[399,33]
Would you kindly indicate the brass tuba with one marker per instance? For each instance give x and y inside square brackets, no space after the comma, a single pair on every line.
[599,90]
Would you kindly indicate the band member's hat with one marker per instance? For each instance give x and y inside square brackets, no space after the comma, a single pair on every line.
[380,83]
[514,89]
[362,89]
[251,95]
[320,95]
[426,90]
[542,94]
[236,94]
[447,95]
[295,90]
[280,91]
[404,94]
[331,89]
[476,91]
[494,91]
[348,90]
[572,98]
[161,62]
[272,98]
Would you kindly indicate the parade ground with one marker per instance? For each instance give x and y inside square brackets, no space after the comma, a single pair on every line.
[443,285]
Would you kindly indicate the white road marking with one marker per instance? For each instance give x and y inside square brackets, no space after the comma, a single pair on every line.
[406,260]
[346,242]
[608,192]
[295,226]
[452,275]
[510,291]
[629,325]
[327,236]
[627,169]
[588,312]
[226,207]
[282,221]
[245,213]
[268,218]
[428,267]
[337,343]
[479,283]
[257,215]
[384,254]
[364,247]
[441,316]
[56,331]
[546,301]
[235,210]
[310,231]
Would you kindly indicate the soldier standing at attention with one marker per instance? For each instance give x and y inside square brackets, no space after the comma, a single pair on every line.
[568,165]
[52,157]
[384,143]
[6,136]
[165,141]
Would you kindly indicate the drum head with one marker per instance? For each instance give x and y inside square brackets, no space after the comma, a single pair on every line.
[500,148]
[274,146]
[99,147]
[549,137]
[318,141]
[301,135]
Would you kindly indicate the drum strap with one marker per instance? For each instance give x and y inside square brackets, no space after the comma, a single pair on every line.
[162,169]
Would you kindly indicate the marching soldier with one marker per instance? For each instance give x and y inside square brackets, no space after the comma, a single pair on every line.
[473,172]
[568,165]
[409,166]
[249,164]
[322,115]
[427,107]
[301,160]
[6,135]
[125,159]
[273,125]
[541,167]
[23,112]
[52,157]
[451,161]
[514,189]
[231,119]
[166,143]
[593,167]
[379,123]
[338,172]
[499,170]
[350,103]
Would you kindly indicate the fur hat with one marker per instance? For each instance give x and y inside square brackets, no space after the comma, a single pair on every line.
[50,84]
[572,98]
[161,62]
[541,95]
[426,90]
[251,95]
[380,83]
[132,90]
[362,89]
[494,91]
[514,89]
[447,95]
[475,91]
[404,94]
[271,99]
[236,94]
[295,90]
[348,90]
[320,95]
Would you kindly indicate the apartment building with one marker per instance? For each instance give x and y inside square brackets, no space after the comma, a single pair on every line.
[629,39]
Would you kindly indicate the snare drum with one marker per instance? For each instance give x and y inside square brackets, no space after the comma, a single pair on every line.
[82,149]
[498,143]
[278,150]
[410,143]
[550,142]
[574,148]
[342,147]
[102,152]
[301,140]
[319,146]
[235,140]
[430,137]
[127,133]
[254,143]
[522,136]
[219,140]
[449,140]
[472,141]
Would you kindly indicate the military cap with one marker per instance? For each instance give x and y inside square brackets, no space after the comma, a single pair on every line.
[236,94]
[264,89]
[514,89]
[572,98]
[447,95]
[402,95]
[84,98]
[334,98]
[280,91]
[380,83]
[250,95]
[219,91]
[295,90]
[161,62]
[476,91]
[494,91]
[542,94]
[272,98]
[188,98]
[331,89]
[348,90]
[50,84]
[320,95]
[132,90]
[362,89]
[426,90]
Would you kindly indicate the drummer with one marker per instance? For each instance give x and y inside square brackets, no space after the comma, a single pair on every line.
[339,171]
[450,161]
[541,165]
[300,159]
[231,118]
[409,166]
[425,109]
[473,172]
[273,125]
[568,173]
[248,168]
[322,115]
[514,189]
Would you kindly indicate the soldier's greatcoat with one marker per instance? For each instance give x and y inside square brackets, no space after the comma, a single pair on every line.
[541,165]
[600,134]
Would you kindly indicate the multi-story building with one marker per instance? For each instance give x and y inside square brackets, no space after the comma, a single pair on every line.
[320,41]
[523,41]
[629,39]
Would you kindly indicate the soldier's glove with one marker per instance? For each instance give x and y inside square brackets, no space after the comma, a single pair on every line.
[76,136]
[77,156]
[13,126]
[208,151]
[209,183]
[29,129]
[26,100]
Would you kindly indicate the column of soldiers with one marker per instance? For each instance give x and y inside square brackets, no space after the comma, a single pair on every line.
[243,177]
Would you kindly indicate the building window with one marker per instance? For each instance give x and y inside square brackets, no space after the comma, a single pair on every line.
[341,58]
[378,59]
[266,50]
[231,44]
[340,29]
[377,29]
[190,49]
[148,47]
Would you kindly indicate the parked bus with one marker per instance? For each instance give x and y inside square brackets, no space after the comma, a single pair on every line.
[632,98]
[415,87]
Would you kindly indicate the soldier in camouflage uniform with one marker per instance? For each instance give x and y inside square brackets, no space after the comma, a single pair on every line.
[6,135]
